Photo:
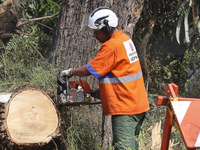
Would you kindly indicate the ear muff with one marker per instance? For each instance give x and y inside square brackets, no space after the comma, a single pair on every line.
[107,29]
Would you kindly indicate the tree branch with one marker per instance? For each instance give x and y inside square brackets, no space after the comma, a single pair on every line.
[36,50]
[44,25]
[20,32]
[193,72]
[6,35]
[20,23]
[4,5]
[145,40]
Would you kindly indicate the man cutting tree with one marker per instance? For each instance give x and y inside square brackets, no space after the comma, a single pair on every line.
[121,84]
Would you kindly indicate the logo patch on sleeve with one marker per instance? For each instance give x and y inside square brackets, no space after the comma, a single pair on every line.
[131,51]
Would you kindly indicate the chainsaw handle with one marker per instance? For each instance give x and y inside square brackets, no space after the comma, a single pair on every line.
[67,85]
[59,81]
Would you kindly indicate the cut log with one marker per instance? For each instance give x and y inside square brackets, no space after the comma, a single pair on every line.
[31,118]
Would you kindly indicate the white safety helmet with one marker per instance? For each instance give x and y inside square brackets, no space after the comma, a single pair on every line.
[102,17]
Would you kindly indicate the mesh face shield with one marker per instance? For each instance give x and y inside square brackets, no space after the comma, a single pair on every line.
[84,23]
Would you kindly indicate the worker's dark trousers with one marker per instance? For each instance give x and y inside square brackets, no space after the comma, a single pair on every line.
[125,128]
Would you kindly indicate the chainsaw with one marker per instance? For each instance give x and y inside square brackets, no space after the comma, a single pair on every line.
[73,93]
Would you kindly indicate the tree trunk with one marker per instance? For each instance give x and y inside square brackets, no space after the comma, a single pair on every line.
[29,119]
[144,44]
[73,48]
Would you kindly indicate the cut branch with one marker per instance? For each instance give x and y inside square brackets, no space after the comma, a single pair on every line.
[4,5]
[36,50]
[6,35]
[20,23]
[44,25]
[143,47]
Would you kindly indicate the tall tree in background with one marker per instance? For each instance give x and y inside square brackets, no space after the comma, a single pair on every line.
[73,48]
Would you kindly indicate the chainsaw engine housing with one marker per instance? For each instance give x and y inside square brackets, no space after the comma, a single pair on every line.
[73,92]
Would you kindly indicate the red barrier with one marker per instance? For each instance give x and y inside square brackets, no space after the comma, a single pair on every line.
[186,112]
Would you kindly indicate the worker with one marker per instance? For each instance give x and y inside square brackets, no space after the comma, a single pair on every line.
[121,84]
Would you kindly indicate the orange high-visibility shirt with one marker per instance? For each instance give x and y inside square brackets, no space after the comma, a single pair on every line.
[120,77]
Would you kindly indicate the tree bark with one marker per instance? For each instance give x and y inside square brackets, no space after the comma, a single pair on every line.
[72,48]
[30,119]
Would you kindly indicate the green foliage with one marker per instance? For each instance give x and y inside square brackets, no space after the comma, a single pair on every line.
[15,73]
[187,70]
[38,8]
[165,68]
[157,62]
[187,14]
[47,8]
[79,129]
[34,9]
[21,65]
[27,8]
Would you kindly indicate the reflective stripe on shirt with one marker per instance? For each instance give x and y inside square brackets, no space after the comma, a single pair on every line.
[121,79]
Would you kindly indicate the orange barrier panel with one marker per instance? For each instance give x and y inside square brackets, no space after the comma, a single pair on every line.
[186,112]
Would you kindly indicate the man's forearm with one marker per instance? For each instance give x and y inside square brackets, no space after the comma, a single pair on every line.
[82,71]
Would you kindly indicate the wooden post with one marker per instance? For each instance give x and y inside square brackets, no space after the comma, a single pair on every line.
[166,131]
[171,91]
